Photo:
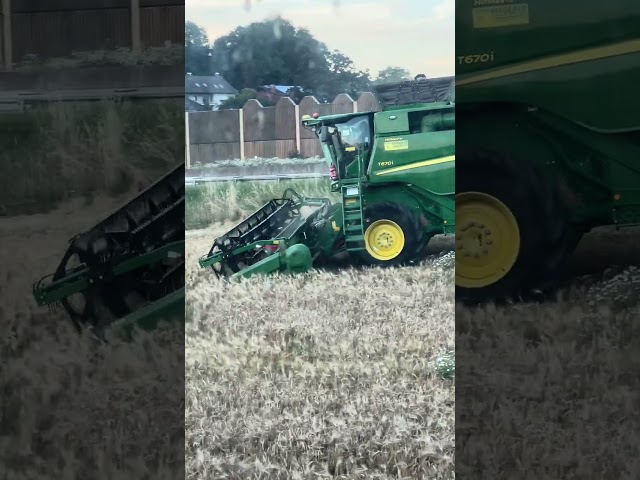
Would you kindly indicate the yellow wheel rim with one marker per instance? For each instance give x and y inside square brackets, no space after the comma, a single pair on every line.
[384,240]
[487,240]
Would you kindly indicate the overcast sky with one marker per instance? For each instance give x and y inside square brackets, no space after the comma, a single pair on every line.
[414,34]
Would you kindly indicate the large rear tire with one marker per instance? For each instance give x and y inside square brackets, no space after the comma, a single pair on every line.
[393,236]
[512,233]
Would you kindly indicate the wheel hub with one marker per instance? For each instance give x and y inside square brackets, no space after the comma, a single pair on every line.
[384,240]
[474,240]
[487,240]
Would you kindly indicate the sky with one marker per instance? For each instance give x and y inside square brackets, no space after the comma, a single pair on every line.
[418,35]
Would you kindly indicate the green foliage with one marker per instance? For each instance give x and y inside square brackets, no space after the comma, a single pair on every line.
[243,96]
[343,77]
[274,52]
[391,75]
[196,50]
[297,94]
[195,35]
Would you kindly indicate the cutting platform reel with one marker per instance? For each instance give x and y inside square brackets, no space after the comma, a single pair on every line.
[126,266]
[97,295]
[286,234]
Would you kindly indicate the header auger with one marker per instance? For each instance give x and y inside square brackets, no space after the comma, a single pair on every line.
[394,170]
[129,267]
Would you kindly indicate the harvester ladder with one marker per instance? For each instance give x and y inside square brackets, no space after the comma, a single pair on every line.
[352,211]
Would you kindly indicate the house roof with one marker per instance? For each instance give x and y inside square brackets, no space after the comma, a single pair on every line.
[191,106]
[207,84]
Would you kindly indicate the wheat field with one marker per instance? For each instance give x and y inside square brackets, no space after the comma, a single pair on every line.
[59,152]
[230,201]
[552,385]
[328,375]
[324,375]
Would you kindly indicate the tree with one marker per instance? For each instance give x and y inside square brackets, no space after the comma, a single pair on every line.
[236,102]
[297,94]
[195,35]
[276,52]
[392,74]
[343,78]
[196,50]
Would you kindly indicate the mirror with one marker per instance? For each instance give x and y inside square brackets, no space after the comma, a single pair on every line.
[324,135]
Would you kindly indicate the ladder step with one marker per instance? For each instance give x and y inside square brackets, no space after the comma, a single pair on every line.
[352,214]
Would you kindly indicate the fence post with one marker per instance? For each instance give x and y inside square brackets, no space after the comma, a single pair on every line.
[187,143]
[135,26]
[355,106]
[297,110]
[241,122]
[7,46]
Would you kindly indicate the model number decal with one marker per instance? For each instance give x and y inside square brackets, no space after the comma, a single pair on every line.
[385,164]
[484,3]
[497,16]
[479,58]
[396,145]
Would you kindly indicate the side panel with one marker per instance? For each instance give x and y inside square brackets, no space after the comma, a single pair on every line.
[426,160]
[558,56]
[598,175]
[391,122]
[509,32]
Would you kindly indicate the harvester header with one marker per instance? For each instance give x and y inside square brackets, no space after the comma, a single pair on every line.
[128,268]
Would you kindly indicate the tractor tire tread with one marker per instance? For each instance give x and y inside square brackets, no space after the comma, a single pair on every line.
[416,246]
[500,170]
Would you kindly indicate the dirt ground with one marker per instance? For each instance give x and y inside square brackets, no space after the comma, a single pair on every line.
[604,247]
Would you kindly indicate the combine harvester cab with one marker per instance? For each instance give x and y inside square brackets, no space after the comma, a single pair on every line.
[550,142]
[395,172]
[129,268]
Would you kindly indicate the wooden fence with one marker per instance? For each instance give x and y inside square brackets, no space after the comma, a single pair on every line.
[263,132]
[57,28]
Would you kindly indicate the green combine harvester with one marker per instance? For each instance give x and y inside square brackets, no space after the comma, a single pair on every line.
[549,137]
[127,269]
[395,172]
